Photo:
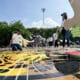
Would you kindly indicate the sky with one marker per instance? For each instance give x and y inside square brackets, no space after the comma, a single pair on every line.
[30,14]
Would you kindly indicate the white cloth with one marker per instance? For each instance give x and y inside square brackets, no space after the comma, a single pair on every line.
[50,39]
[17,39]
[55,36]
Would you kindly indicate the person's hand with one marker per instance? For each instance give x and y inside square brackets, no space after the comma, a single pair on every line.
[10,43]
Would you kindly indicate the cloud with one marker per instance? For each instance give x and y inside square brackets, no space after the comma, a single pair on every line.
[49,23]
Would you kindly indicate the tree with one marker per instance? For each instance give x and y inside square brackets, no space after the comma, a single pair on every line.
[7,30]
[4,31]
[19,25]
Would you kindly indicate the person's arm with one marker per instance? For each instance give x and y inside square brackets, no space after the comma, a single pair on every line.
[11,40]
[25,42]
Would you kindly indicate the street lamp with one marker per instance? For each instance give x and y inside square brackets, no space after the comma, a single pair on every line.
[43,10]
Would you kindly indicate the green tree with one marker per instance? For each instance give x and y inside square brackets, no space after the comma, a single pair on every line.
[19,25]
[4,33]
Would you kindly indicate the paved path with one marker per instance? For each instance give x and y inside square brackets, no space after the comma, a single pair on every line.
[49,70]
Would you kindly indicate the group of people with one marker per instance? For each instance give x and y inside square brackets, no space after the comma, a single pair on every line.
[65,33]
[17,40]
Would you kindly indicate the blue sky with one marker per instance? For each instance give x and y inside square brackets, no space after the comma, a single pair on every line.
[29,11]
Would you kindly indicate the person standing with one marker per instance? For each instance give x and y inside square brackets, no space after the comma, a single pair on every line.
[36,39]
[55,39]
[63,31]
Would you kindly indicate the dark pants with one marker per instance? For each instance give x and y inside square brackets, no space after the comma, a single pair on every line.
[63,44]
[50,43]
[16,47]
[68,42]
[56,43]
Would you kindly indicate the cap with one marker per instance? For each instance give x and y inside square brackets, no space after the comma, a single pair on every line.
[63,14]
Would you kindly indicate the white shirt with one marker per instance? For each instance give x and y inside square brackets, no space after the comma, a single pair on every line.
[17,39]
[55,36]
[50,39]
